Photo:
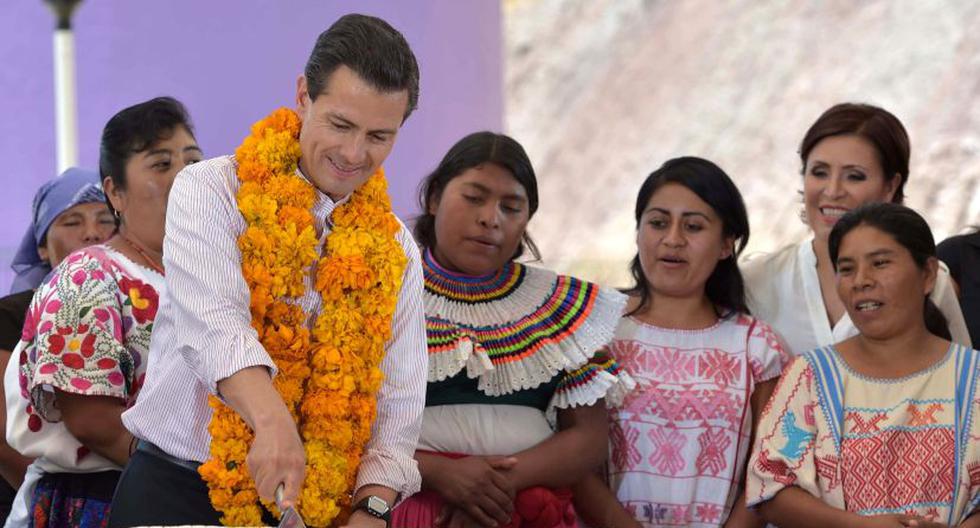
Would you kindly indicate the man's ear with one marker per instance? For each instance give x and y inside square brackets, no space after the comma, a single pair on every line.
[302,96]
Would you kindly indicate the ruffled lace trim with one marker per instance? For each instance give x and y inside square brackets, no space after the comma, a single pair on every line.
[510,349]
[602,377]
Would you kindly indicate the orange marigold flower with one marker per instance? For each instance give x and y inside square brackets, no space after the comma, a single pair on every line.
[329,376]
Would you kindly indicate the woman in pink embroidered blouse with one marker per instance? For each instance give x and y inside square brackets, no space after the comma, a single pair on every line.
[82,355]
[703,366]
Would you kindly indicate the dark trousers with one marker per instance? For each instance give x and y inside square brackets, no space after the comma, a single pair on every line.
[154,491]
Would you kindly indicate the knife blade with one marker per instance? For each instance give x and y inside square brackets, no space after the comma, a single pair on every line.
[290,517]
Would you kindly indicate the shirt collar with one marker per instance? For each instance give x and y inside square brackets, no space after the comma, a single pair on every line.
[323,205]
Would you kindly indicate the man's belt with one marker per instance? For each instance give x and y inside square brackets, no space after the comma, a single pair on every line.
[151,449]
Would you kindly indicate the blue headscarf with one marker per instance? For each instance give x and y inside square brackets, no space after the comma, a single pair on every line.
[74,186]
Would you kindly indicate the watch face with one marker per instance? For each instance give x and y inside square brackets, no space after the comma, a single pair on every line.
[377,505]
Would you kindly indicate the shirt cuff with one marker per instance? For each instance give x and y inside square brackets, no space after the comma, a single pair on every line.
[381,468]
[251,354]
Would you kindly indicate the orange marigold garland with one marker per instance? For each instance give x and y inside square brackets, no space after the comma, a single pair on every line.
[328,375]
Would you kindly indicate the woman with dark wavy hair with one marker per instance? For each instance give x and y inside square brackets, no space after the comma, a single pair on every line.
[878,429]
[704,367]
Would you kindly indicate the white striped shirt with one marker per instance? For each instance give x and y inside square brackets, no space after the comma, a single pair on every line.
[203,332]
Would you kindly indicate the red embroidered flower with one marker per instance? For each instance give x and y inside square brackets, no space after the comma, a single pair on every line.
[106,363]
[65,337]
[73,361]
[80,384]
[34,423]
[116,378]
[142,297]
[56,343]
[88,345]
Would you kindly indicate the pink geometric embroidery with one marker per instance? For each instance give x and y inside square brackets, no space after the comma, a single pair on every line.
[673,365]
[714,443]
[625,455]
[668,402]
[662,364]
[894,468]
[772,341]
[668,445]
[626,353]
[708,513]
[725,405]
[919,418]
[719,366]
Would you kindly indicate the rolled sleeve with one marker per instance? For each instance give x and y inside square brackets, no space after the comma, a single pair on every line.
[389,457]
[211,316]
[944,296]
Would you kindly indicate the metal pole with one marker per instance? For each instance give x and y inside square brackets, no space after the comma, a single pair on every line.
[66,108]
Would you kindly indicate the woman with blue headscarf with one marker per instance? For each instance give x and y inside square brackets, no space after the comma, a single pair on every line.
[68,213]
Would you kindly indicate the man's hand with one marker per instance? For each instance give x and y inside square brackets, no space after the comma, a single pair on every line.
[277,457]
[478,487]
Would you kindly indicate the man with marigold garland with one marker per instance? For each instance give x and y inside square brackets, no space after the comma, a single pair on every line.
[289,355]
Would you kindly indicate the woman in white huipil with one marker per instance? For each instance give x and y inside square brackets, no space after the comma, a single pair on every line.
[852,155]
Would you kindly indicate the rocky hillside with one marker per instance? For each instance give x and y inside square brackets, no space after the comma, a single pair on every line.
[601,92]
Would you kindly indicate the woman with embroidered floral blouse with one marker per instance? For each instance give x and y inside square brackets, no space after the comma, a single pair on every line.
[704,367]
[67,214]
[879,429]
[509,346]
[82,355]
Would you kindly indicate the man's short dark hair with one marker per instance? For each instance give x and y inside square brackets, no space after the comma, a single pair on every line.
[370,47]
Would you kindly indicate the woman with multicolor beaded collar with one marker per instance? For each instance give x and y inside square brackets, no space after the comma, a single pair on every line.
[512,351]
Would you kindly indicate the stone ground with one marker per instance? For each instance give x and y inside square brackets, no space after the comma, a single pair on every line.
[601,92]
